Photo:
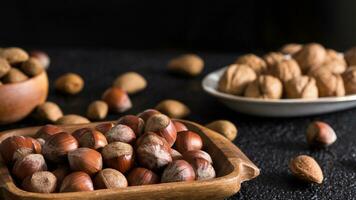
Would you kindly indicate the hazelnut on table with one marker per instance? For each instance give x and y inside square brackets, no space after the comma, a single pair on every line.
[256,63]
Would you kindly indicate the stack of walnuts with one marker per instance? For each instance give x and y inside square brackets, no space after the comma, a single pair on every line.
[296,71]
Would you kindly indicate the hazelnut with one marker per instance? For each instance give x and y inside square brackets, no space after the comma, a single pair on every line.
[36,145]
[60,173]
[179,126]
[142,176]
[40,182]
[285,70]
[77,134]
[86,160]
[187,141]
[350,56]
[72,119]
[311,55]
[14,76]
[110,179]
[49,112]
[273,58]
[77,182]
[104,127]
[48,130]
[69,83]
[302,87]
[291,48]
[236,78]
[117,100]
[224,127]
[328,84]
[151,137]
[176,155]
[57,146]
[11,144]
[173,108]
[119,156]
[32,67]
[189,156]
[121,133]
[14,55]
[4,67]
[97,110]
[334,62]
[306,168]
[21,153]
[256,63]
[177,171]
[135,123]
[41,141]
[28,165]
[203,169]
[147,114]
[131,82]
[320,134]
[188,64]
[92,139]
[42,57]
[265,87]
[350,80]
[163,126]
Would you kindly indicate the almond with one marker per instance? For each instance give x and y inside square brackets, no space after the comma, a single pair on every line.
[306,168]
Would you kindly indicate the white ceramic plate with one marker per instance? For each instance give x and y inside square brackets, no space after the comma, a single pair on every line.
[276,108]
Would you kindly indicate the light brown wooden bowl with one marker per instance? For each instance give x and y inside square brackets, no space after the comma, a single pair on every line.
[17,100]
[231,165]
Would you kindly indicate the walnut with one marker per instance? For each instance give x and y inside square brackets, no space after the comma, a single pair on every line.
[256,63]
[273,58]
[350,56]
[236,78]
[265,87]
[291,48]
[311,55]
[285,70]
[334,61]
[301,87]
[350,80]
[329,84]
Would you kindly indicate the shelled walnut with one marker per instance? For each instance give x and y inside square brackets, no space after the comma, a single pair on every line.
[256,63]
[329,84]
[311,55]
[286,70]
[301,87]
[265,87]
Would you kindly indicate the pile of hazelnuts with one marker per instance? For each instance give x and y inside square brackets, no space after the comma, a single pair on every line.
[148,148]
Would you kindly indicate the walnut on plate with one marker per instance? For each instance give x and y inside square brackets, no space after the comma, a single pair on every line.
[334,61]
[311,55]
[291,48]
[272,58]
[350,80]
[350,56]
[329,84]
[301,87]
[285,70]
[265,87]
[256,63]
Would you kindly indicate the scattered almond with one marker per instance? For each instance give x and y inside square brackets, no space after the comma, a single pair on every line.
[173,108]
[72,119]
[306,168]
[49,111]
[69,83]
[131,82]
[14,55]
[14,76]
[32,67]
[97,110]
[188,64]
[224,127]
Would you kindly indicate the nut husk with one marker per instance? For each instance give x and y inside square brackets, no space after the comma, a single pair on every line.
[311,55]
[69,83]
[49,112]
[188,64]
[173,108]
[265,87]
[256,63]
[97,110]
[301,87]
[350,80]
[329,84]
[14,55]
[285,70]
[131,82]
[236,78]
[291,48]
[72,119]
[32,67]
[14,76]
[4,67]
[224,127]
[306,168]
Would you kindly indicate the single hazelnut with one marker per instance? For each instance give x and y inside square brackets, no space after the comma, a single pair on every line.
[110,179]
[179,126]
[92,139]
[256,63]
[21,153]
[57,146]
[77,182]
[203,169]
[151,137]
[147,114]
[36,145]
[328,84]
[40,182]
[72,119]
[135,123]
[176,155]
[291,48]
[350,80]
[224,127]
[41,141]
[104,127]
[48,130]
[187,64]
[11,144]
[49,112]
[306,168]
[78,133]
[42,57]
[187,141]
[120,133]
[142,176]
[86,160]
[32,67]
[177,171]
[189,156]
[97,110]
[320,134]
[117,100]
[236,78]
[350,56]
[60,173]
[14,55]
[119,156]
[14,76]
[163,126]
[4,67]
[272,58]
[285,70]
[265,87]
[28,165]
[173,108]
[131,82]
[301,87]
[311,55]
[69,83]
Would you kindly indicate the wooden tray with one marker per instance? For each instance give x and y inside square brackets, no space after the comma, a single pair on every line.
[231,165]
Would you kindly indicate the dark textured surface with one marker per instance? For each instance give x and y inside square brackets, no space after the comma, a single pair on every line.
[269,142]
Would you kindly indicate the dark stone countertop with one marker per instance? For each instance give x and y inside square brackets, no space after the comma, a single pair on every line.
[269,142]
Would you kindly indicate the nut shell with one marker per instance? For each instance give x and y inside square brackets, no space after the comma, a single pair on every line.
[40,182]
[131,82]
[142,176]
[104,127]
[286,70]
[177,171]
[311,55]
[117,100]
[86,160]
[302,87]
[135,123]
[28,165]
[92,139]
[189,156]
[121,133]
[47,131]
[349,78]
[179,126]
[57,146]
[306,168]
[42,57]
[119,156]
[350,56]
[188,141]
[265,87]
[77,182]
[147,114]
[329,84]
[110,179]
[11,144]
[256,63]
[273,58]
[163,126]
[203,169]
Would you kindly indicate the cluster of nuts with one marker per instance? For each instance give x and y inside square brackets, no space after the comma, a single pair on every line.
[148,148]
[16,65]
[296,71]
